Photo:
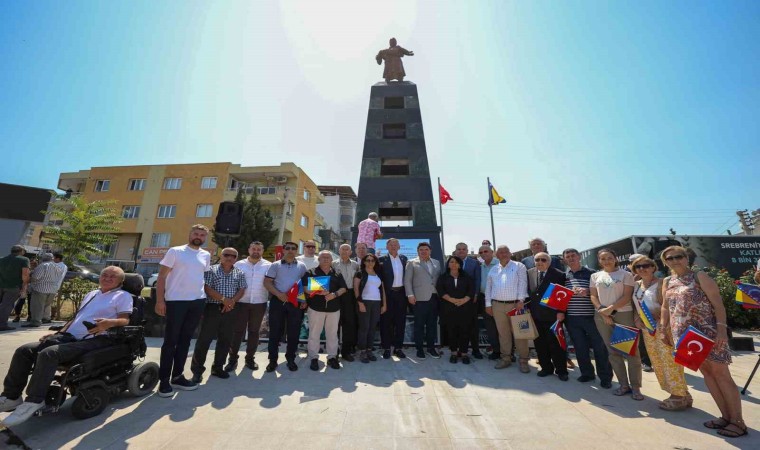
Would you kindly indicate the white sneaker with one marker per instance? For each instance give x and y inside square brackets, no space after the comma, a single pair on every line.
[7,404]
[22,413]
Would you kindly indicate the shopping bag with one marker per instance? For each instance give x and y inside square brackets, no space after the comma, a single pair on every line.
[523,326]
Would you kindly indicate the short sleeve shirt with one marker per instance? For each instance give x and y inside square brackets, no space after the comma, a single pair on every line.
[225,283]
[11,267]
[185,281]
[285,275]
[99,305]
[368,230]
[254,278]
[610,286]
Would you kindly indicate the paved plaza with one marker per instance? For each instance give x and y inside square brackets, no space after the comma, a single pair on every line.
[428,404]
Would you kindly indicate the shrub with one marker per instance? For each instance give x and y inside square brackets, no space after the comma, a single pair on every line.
[70,296]
[736,316]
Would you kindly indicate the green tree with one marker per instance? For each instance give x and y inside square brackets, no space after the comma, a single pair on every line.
[86,227]
[258,225]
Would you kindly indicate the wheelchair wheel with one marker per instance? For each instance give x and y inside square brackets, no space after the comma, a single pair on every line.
[143,379]
[96,401]
[51,399]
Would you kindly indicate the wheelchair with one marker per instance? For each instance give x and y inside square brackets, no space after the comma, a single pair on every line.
[99,375]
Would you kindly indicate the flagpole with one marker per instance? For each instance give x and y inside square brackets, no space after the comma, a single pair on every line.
[490,209]
[440,209]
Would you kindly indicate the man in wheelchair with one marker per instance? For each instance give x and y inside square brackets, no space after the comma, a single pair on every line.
[101,309]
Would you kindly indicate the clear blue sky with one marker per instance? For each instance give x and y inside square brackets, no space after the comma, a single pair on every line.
[595,119]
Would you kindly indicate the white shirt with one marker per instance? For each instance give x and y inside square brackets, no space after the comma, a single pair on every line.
[398,271]
[185,281]
[507,283]
[309,261]
[104,306]
[65,269]
[610,287]
[254,278]
[647,296]
[372,289]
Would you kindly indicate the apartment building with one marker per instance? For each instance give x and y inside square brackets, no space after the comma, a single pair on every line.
[159,203]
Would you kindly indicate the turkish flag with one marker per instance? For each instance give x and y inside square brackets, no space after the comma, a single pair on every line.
[557,297]
[692,348]
[443,194]
[293,294]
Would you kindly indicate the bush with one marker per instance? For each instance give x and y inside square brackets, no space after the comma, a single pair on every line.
[70,296]
[736,316]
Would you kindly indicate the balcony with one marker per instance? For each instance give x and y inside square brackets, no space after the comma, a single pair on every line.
[319,220]
[289,223]
[268,195]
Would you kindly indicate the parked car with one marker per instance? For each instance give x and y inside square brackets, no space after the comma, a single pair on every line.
[84,273]
[152,280]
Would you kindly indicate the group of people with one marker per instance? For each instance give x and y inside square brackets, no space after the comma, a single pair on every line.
[362,293]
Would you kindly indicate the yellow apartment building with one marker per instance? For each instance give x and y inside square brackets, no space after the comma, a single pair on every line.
[159,203]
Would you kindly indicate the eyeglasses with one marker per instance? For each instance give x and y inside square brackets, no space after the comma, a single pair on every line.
[310,246]
[642,266]
[541,260]
[229,255]
[675,257]
[290,248]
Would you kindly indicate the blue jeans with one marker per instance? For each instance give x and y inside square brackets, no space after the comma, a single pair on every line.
[182,319]
[426,323]
[585,336]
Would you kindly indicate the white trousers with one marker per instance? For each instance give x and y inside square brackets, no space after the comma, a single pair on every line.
[317,322]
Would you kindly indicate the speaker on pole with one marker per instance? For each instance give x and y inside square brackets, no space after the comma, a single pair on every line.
[229,218]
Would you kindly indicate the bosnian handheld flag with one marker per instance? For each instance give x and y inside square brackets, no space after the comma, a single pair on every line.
[295,294]
[625,339]
[559,332]
[646,317]
[748,295]
[692,348]
[316,284]
[557,297]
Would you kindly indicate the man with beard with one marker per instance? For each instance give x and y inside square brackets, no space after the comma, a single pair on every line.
[181,298]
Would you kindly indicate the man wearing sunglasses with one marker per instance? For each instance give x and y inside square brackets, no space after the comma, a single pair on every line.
[309,257]
[225,285]
[280,278]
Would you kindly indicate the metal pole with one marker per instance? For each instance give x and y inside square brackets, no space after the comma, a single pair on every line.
[440,209]
[490,209]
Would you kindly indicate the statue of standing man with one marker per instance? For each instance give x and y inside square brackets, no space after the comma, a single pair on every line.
[394,68]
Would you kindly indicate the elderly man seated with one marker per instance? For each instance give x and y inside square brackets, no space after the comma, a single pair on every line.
[106,307]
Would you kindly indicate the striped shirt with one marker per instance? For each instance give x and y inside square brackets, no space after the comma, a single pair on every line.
[507,283]
[225,283]
[47,278]
[579,306]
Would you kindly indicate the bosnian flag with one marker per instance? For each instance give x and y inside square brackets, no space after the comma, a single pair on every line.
[625,339]
[748,295]
[317,284]
[692,348]
[646,317]
[557,297]
[295,294]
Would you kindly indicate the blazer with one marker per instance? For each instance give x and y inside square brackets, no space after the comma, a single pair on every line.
[419,281]
[445,285]
[386,271]
[536,291]
[472,268]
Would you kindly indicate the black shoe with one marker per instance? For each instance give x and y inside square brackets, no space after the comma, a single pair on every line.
[333,363]
[466,359]
[421,354]
[544,373]
[219,373]
[494,356]
[348,357]
[292,366]
[513,358]
[586,378]
[197,378]
[183,384]
[387,354]
[17,319]
[477,355]
[562,376]
[606,384]
[399,353]
[165,389]
[314,364]
[30,325]
[434,353]
[371,355]
[363,357]
[231,366]
[453,359]
[46,321]
[251,364]
[271,366]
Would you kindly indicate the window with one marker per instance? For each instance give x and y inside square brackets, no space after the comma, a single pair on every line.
[291,209]
[267,190]
[306,195]
[160,239]
[102,185]
[204,210]
[395,213]
[208,183]
[172,183]
[167,211]
[394,131]
[235,184]
[394,167]
[304,221]
[130,212]
[137,184]
[394,102]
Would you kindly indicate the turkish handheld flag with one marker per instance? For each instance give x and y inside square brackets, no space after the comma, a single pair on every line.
[443,194]
[293,294]
[557,297]
[692,348]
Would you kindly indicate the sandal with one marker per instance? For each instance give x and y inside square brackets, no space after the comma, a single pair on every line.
[716,424]
[731,433]
[622,390]
[676,404]
[636,395]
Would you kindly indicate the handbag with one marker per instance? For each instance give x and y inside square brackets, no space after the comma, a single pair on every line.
[523,326]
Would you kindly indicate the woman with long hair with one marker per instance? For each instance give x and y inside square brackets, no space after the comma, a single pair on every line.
[454,287]
[370,298]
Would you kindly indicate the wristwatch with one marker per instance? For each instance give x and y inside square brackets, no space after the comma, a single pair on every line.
[613,312]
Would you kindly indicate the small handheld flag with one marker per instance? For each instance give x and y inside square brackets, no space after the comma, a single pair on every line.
[295,294]
[516,312]
[625,339]
[559,332]
[646,317]
[316,284]
[493,197]
[692,348]
[443,195]
[748,296]
[557,297]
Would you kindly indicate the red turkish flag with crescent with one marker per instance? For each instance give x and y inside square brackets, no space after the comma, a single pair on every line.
[693,348]
[443,194]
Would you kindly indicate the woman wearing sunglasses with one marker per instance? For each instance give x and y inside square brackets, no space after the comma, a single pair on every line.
[648,293]
[370,297]
[694,299]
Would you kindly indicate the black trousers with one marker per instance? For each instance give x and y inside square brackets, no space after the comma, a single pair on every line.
[249,318]
[490,323]
[182,318]
[458,320]
[215,325]
[279,312]
[393,322]
[426,323]
[349,323]
[551,357]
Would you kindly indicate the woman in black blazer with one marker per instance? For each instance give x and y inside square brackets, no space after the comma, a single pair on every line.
[454,288]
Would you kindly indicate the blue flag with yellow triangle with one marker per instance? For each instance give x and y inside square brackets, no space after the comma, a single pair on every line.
[493,197]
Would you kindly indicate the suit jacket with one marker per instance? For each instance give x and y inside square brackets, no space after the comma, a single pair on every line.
[386,271]
[419,281]
[536,291]
[472,268]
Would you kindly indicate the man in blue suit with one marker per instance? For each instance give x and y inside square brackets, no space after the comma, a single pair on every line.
[471,266]
[393,322]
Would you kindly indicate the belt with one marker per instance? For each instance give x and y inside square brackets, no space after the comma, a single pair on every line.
[398,288]
[505,301]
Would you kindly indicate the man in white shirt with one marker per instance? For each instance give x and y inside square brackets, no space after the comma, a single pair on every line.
[251,308]
[507,289]
[180,296]
[393,322]
[309,257]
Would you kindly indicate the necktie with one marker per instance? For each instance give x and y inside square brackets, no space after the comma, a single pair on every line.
[540,277]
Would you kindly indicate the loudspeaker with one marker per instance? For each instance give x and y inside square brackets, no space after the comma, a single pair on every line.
[229,218]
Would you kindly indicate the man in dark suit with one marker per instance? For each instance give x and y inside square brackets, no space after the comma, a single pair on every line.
[551,357]
[393,322]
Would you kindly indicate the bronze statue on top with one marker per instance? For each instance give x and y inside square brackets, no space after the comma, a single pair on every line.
[394,68]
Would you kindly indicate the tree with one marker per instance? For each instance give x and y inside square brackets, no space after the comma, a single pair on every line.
[86,227]
[258,225]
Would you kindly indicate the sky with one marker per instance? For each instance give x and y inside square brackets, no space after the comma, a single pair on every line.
[596,120]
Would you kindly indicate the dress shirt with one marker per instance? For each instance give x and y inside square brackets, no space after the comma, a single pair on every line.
[485,269]
[225,283]
[398,271]
[254,276]
[347,270]
[47,278]
[507,283]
